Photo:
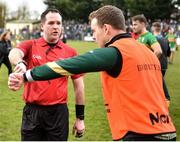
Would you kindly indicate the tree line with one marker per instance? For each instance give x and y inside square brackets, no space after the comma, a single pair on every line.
[79,10]
[152,9]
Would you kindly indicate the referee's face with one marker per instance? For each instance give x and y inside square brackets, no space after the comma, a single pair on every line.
[52,27]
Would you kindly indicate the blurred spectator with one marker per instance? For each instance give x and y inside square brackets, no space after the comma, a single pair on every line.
[75,30]
[172,43]
[63,36]
[178,37]
[178,43]
[5,47]
[156,29]
[36,33]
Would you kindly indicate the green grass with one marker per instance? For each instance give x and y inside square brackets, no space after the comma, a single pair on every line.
[173,82]
[97,127]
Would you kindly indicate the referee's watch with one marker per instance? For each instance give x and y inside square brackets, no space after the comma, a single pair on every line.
[22,61]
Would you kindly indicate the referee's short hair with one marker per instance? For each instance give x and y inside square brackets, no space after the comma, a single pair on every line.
[109,15]
[43,15]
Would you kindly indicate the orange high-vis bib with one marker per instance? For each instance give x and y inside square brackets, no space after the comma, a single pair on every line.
[135,100]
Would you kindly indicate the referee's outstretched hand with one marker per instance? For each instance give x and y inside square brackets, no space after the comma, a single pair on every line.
[78,128]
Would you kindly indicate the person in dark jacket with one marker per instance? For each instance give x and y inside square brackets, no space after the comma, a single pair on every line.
[5,47]
[156,29]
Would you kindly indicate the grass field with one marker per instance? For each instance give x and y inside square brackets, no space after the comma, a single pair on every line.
[97,127]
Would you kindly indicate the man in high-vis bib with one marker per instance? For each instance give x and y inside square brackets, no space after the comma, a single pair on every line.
[130,75]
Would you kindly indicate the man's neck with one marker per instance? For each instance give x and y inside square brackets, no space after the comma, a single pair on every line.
[156,33]
[51,41]
[143,31]
[115,33]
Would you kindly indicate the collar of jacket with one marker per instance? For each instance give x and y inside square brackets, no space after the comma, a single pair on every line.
[117,37]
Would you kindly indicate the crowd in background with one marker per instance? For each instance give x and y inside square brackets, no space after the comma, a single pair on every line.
[74,30]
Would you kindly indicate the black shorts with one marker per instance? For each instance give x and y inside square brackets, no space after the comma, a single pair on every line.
[45,123]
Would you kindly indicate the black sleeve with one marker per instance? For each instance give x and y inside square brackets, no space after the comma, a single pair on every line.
[3,49]
[168,51]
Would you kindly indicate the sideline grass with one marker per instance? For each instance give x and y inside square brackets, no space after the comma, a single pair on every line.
[97,128]
[173,83]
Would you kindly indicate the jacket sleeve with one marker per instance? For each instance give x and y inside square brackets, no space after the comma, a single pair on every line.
[3,49]
[102,59]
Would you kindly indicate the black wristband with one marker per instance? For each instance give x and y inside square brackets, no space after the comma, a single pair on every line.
[80,111]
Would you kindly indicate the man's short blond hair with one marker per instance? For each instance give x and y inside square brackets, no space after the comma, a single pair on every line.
[109,15]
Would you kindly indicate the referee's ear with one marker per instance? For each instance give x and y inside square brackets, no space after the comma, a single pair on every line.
[42,27]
